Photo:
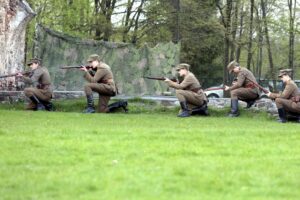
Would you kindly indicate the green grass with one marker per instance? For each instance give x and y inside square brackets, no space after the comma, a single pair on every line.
[146,154]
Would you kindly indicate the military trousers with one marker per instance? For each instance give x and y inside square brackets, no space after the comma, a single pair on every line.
[244,94]
[44,95]
[105,91]
[193,99]
[288,105]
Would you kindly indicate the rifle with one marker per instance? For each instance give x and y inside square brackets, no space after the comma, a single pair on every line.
[160,78]
[257,85]
[76,67]
[15,74]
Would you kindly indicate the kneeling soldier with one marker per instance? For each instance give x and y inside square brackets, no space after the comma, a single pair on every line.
[288,100]
[189,92]
[242,89]
[100,80]
[41,92]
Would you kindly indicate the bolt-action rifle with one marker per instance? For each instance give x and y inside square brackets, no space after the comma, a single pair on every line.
[77,67]
[15,74]
[259,86]
[160,78]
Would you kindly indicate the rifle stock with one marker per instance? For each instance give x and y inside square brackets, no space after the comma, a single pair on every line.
[159,78]
[15,74]
[259,86]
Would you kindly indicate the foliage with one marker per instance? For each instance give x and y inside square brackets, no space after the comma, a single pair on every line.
[201,31]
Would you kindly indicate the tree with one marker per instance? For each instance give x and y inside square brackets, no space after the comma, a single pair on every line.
[13,20]
[292,12]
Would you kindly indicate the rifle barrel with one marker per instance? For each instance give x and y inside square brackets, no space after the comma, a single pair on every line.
[14,74]
[155,78]
[75,67]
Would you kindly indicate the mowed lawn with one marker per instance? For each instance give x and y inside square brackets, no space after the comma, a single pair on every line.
[63,155]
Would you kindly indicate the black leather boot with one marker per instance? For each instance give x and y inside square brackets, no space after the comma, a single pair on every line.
[250,103]
[120,104]
[39,105]
[90,104]
[234,108]
[48,105]
[282,115]
[184,110]
[201,110]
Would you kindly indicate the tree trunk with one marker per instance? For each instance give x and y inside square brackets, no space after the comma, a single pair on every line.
[259,45]
[263,8]
[14,16]
[292,12]
[250,35]
[234,30]
[239,45]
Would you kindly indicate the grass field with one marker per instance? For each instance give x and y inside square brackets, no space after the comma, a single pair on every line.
[146,155]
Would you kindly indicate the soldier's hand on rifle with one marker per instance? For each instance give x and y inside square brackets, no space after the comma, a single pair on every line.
[226,88]
[167,80]
[19,74]
[83,68]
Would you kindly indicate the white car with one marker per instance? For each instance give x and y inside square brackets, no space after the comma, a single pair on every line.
[214,92]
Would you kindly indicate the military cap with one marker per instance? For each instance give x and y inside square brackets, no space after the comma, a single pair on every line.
[93,57]
[182,66]
[34,60]
[232,65]
[285,72]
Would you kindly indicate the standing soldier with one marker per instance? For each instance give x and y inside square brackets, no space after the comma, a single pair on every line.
[243,89]
[100,80]
[41,92]
[288,100]
[189,92]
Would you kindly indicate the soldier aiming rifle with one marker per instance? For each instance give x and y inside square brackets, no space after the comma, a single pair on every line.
[189,92]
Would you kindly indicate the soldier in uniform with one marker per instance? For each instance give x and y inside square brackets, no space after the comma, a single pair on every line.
[41,92]
[100,80]
[242,89]
[189,93]
[288,100]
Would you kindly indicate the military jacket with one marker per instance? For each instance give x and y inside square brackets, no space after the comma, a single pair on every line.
[102,75]
[190,82]
[242,80]
[39,78]
[290,90]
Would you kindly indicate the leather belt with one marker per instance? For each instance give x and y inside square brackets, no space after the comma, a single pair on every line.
[43,87]
[196,90]
[107,81]
[250,85]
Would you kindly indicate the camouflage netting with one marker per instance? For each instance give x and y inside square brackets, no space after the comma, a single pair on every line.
[129,63]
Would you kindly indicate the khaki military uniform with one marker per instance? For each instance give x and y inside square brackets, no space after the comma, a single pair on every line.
[285,99]
[189,90]
[41,82]
[101,82]
[244,89]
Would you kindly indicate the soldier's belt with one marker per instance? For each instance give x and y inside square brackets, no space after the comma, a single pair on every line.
[196,90]
[107,81]
[250,85]
[43,87]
